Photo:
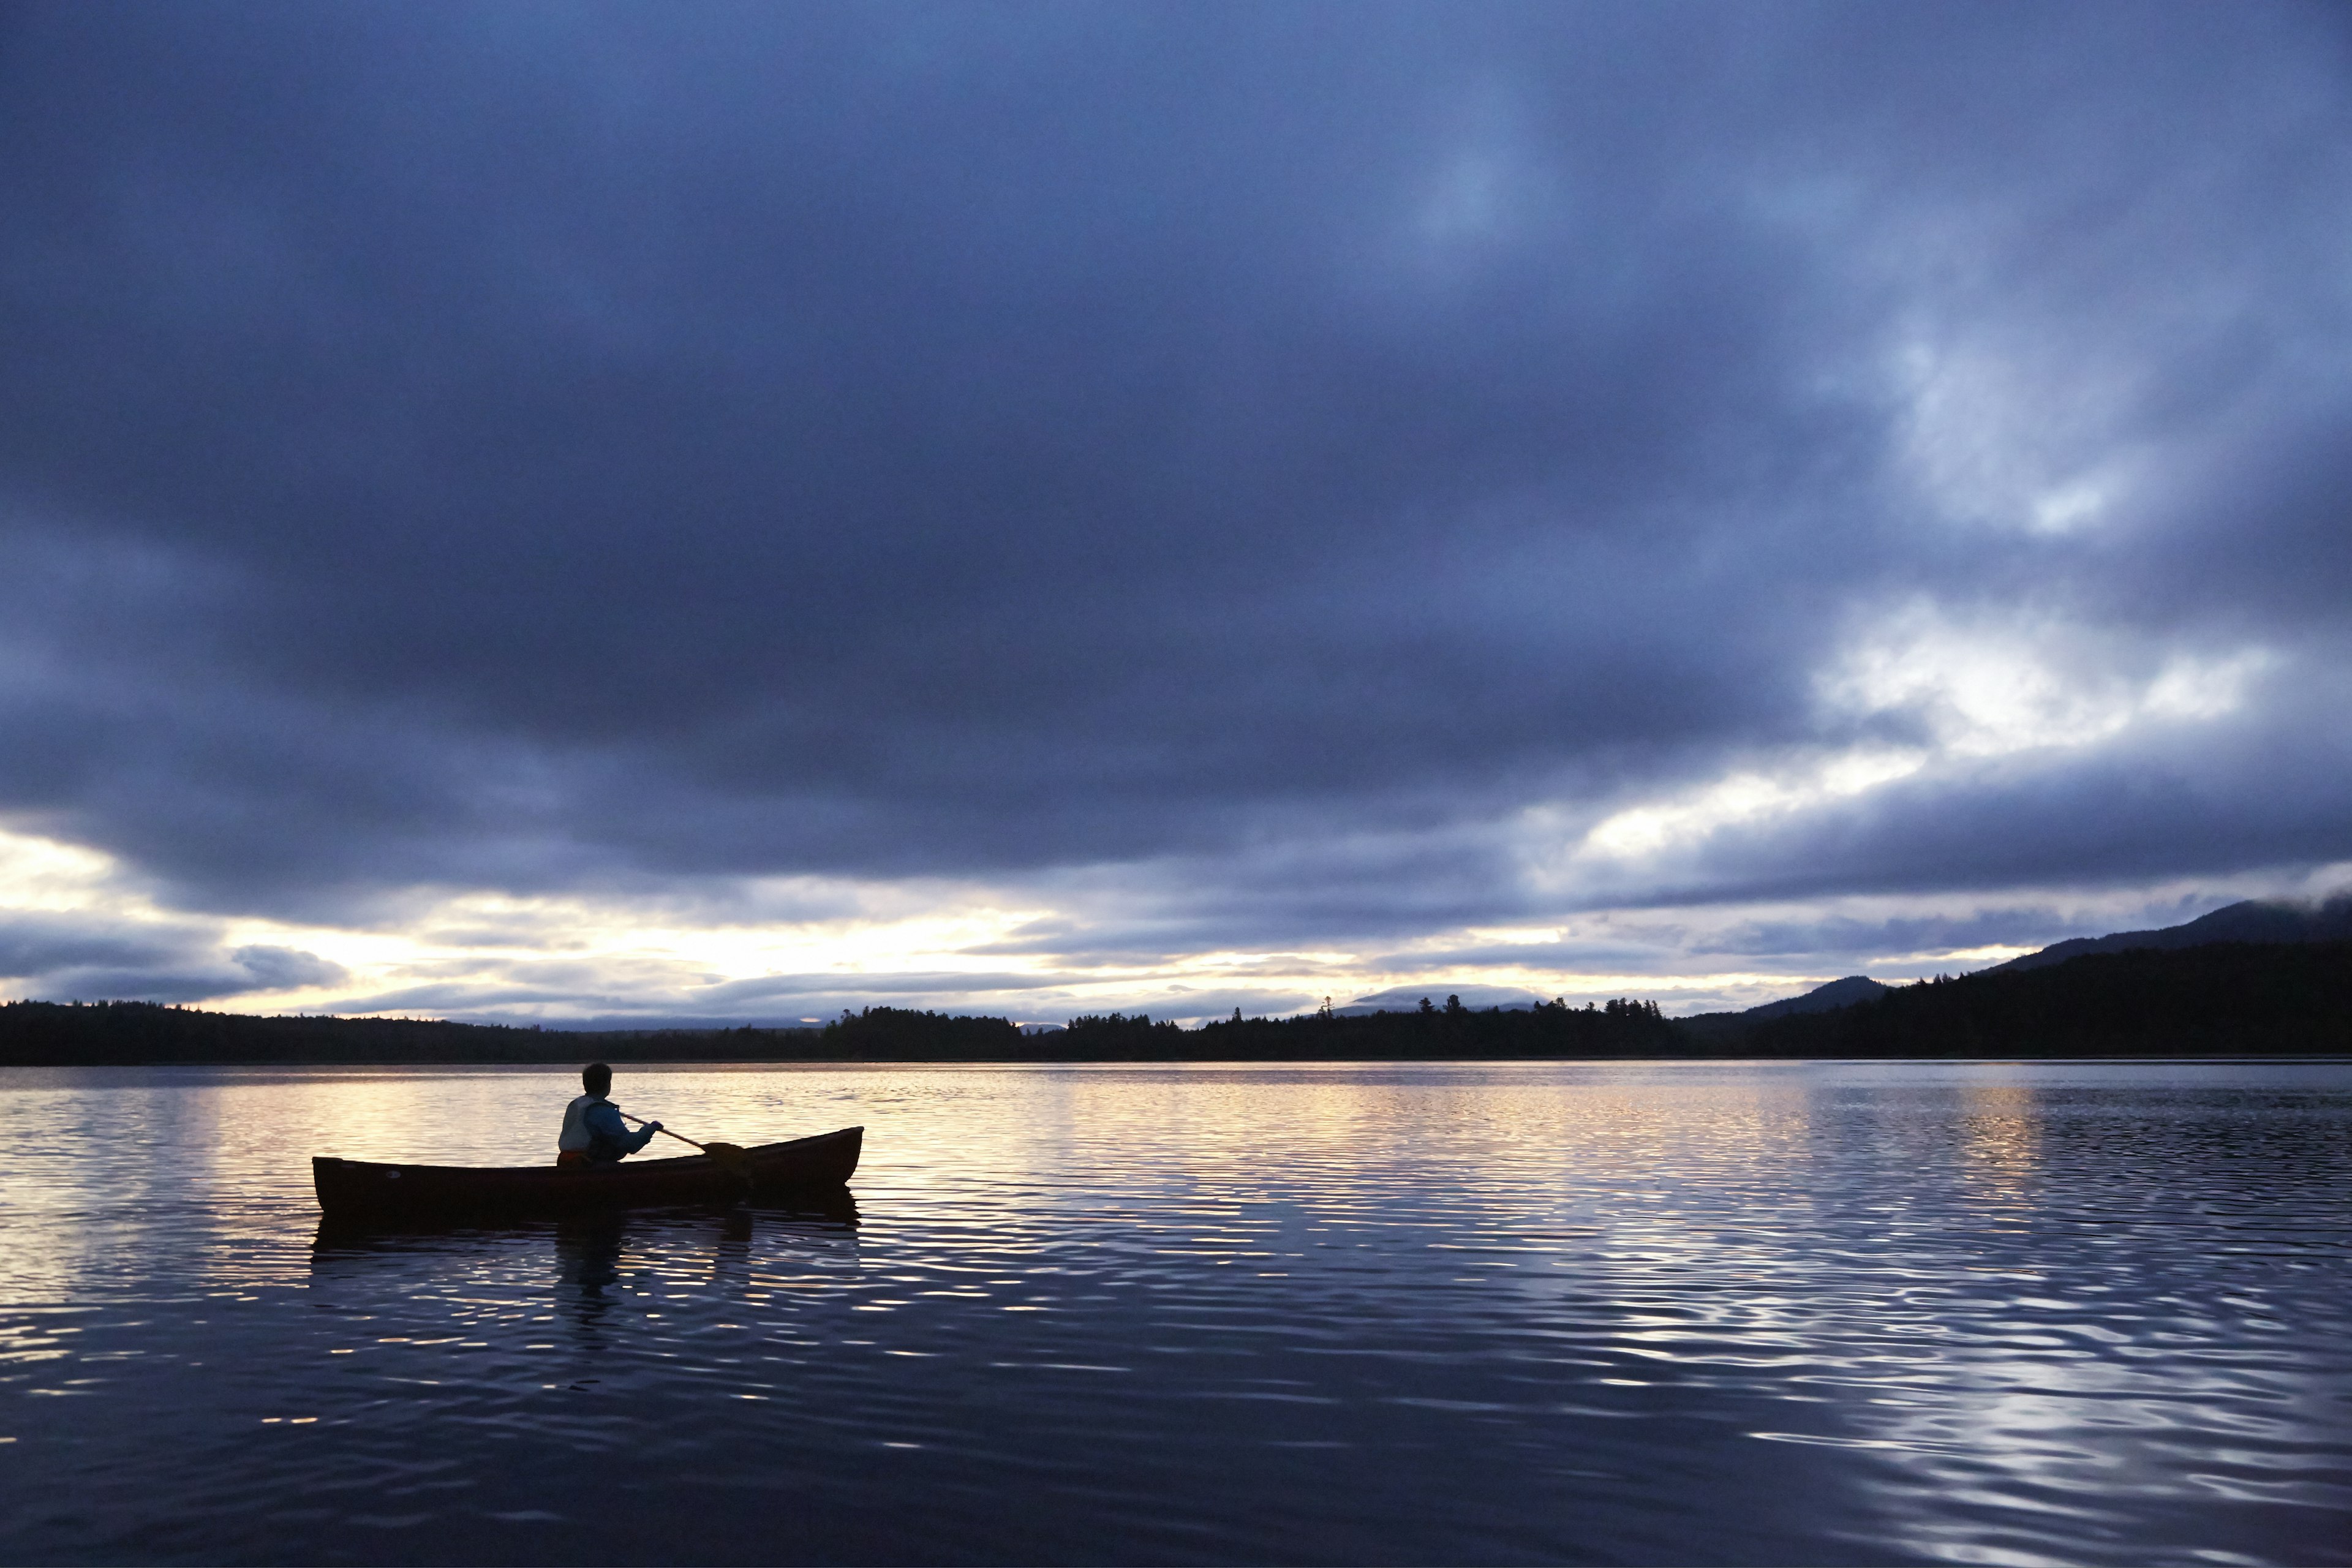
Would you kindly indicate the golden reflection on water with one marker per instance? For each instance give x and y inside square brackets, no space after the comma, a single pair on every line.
[1999,1134]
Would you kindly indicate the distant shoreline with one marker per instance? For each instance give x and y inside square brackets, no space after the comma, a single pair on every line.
[2227,1001]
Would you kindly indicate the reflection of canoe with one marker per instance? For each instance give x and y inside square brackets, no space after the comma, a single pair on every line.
[353,1188]
[805,1212]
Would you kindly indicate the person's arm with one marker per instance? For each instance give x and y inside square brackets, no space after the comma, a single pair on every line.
[605,1121]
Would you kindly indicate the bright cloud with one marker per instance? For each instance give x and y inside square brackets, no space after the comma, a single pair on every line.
[1998,685]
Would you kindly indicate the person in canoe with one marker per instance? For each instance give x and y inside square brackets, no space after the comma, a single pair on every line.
[593,1132]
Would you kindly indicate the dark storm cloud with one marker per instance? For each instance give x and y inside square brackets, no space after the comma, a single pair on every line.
[69,957]
[284,968]
[30,948]
[535,449]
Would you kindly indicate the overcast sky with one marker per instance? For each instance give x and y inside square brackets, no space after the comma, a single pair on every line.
[661,511]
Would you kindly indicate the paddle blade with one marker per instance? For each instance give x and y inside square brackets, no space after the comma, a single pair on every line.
[729,1158]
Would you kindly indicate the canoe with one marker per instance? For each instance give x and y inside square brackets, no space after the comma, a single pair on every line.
[352,1189]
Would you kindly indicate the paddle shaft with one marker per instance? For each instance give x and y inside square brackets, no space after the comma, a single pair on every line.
[665,1131]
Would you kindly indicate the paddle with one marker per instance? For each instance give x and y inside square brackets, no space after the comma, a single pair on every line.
[728,1157]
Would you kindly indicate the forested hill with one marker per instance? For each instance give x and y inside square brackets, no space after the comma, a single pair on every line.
[2221,999]
[2253,920]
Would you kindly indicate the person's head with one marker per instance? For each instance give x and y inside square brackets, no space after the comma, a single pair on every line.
[596,1078]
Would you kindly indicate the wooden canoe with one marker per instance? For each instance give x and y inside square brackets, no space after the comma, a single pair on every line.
[357,1189]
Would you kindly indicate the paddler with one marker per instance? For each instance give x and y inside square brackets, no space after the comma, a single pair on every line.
[594,1133]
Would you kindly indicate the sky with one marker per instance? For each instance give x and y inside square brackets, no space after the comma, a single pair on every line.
[596,515]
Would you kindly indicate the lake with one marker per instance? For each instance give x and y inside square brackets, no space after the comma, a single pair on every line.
[1703,1312]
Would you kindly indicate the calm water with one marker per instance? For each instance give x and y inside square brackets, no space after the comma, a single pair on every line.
[1991,1314]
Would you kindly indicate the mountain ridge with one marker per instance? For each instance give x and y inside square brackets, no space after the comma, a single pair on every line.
[2255,921]
[2259,921]
[1837,994]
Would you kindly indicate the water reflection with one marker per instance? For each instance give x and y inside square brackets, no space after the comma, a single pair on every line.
[1432,1313]
[2000,1137]
[588,1263]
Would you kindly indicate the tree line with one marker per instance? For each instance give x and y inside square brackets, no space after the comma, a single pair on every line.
[2224,999]
[1623,1027]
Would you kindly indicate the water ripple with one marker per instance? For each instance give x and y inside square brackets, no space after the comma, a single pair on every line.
[1924,1313]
